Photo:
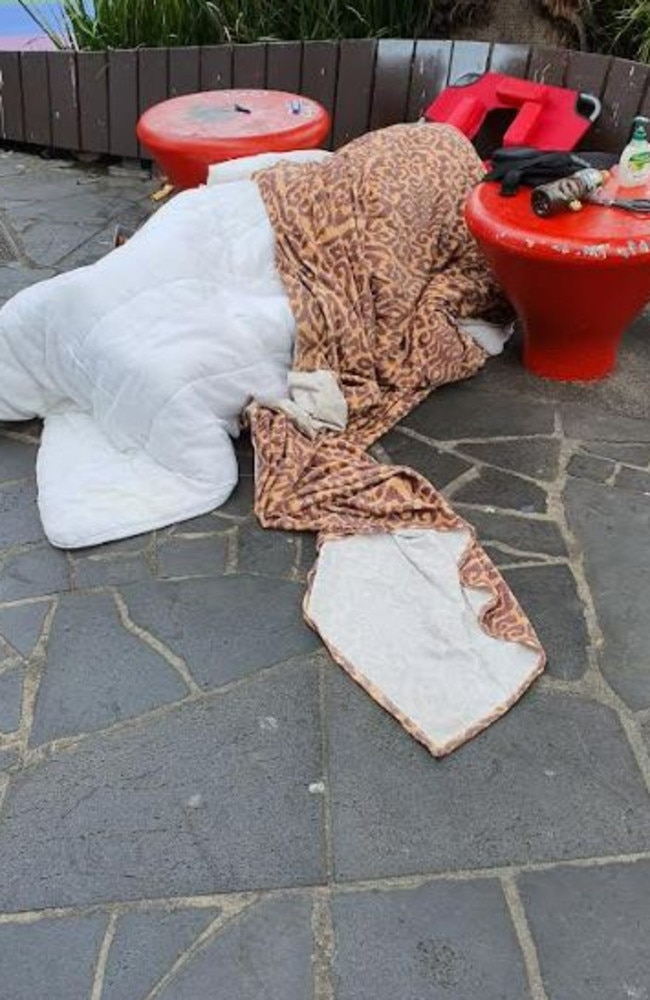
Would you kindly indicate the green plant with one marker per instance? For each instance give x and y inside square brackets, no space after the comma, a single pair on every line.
[133,23]
[622,28]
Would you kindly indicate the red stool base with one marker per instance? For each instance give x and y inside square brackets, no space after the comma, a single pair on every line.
[576,280]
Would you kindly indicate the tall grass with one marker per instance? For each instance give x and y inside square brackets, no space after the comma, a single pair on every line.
[132,23]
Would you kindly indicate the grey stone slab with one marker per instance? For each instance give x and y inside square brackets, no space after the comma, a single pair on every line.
[224,628]
[145,947]
[34,573]
[632,454]
[272,553]
[495,488]
[613,528]
[9,757]
[206,524]
[94,572]
[53,959]
[83,203]
[587,467]
[533,457]
[445,939]
[193,556]
[308,553]
[522,533]
[549,596]
[439,467]
[123,547]
[467,411]
[590,926]
[11,699]
[20,523]
[97,673]
[265,953]
[17,459]
[635,480]
[31,429]
[501,558]
[240,502]
[21,625]
[47,243]
[15,277]
[553,779]
[211,796]
[590,424]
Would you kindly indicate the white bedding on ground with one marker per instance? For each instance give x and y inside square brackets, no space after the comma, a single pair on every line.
[142,363]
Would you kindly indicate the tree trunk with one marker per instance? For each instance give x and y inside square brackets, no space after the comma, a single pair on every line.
[539,22]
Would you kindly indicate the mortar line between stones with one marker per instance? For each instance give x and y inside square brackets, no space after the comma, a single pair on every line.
[450,443]
[325,771]
[595,684]
[464,479]
[525,937]
[65,743]
[178,664]
[102,958]
[388,882]
[230,912]
[323,945]
[32,681]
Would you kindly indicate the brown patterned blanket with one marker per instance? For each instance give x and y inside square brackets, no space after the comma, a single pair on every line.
[378,266]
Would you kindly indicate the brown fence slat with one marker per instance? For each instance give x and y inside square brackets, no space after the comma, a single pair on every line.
[123,101]
[354,91]
[622,100]
[284,61]
[153,84]
[36,98]
[510,59]
[184,71]
[92,68]
[216,67]
[468,57]
[249,66]
[11,100]
[320,62]
[62,73]
[587,72]
[547,65]
[429,76]
[392,79]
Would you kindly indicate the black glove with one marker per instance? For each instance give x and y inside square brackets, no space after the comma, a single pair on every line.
[519,165]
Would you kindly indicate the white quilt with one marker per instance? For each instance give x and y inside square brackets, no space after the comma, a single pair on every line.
[142,363]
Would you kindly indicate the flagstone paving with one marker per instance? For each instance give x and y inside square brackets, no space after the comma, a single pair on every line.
[196,802]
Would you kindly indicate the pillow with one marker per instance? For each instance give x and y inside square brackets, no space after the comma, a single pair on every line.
[243,168]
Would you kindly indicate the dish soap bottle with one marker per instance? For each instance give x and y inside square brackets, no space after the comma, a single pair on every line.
[634,164]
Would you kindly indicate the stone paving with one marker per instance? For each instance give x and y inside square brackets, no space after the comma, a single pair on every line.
[195,802]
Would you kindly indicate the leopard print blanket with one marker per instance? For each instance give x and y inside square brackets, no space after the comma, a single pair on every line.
[377,262]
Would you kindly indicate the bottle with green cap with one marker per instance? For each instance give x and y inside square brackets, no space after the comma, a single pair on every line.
[634,164]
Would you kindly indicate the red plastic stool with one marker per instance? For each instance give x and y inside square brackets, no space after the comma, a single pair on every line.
[576,279]
[187,134]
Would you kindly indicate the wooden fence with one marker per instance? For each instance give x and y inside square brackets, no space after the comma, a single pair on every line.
[91,101]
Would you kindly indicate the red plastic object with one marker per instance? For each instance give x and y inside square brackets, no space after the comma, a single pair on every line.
[576,279]
[548,117]
[187,134]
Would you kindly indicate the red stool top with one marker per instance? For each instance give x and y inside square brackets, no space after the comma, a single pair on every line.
[591,235]
[234,123]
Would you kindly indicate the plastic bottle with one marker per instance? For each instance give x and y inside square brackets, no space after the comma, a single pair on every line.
[634,164]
